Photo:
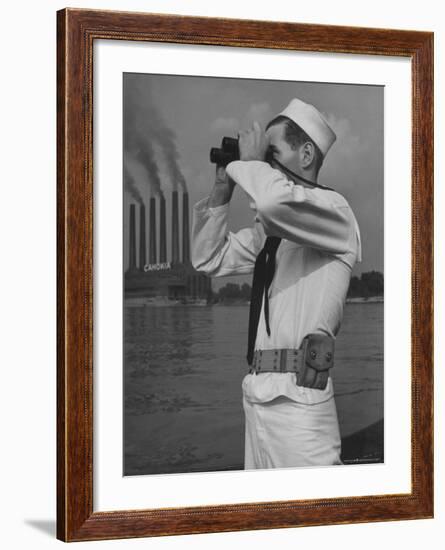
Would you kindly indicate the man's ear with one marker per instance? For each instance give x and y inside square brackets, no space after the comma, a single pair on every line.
[307,154]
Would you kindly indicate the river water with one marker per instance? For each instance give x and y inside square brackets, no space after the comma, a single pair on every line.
[183,367]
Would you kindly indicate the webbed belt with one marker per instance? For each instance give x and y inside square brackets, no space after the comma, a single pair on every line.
[311,362]
[277,360]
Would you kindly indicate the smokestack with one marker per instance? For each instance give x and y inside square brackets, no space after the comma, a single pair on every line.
[175,227]
[153,252]
[185,228]
[142,241]
[163,235]
[132,264]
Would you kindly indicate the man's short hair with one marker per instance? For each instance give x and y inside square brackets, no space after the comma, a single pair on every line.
[294,135]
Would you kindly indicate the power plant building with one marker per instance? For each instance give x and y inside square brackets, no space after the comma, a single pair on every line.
[172,278]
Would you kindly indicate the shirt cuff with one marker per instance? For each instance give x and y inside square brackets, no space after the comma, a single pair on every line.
[233,168]
[202,206]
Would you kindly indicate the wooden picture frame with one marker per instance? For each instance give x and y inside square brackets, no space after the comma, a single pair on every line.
[76,32]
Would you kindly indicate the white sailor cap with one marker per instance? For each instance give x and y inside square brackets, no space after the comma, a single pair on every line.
[312,122]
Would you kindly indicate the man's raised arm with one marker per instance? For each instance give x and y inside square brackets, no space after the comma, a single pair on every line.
[312,217]
[215,250]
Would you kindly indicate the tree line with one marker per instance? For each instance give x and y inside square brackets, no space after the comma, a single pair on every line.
[369,284]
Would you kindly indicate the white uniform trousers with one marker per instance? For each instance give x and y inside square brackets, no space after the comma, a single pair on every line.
[284,433]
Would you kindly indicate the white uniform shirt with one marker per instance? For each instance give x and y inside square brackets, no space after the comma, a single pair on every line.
[320,245]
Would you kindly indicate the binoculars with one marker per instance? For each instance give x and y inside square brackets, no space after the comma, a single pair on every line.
[228,152]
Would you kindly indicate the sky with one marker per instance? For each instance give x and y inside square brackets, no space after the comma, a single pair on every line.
[177,119]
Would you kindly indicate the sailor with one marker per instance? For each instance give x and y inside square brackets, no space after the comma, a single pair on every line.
[302,248]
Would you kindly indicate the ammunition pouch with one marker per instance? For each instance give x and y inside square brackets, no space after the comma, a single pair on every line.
[318,358]
[311,362]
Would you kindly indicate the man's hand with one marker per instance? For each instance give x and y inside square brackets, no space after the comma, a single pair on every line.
[253,143]
[223,188]
[220,175]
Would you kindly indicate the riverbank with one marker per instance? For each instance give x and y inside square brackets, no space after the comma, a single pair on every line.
[367,300]
[162,301]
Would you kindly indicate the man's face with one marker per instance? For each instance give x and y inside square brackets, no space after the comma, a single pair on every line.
[279,148]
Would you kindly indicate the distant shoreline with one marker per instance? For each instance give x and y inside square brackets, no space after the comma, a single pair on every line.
[355,300]
[363,300]
[150,301]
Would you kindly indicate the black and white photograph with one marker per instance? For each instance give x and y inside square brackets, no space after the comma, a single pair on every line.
[253,284]
[223,275]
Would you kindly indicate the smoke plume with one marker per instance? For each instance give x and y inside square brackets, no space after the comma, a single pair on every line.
[145,134]
[130,185]
[167,141]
